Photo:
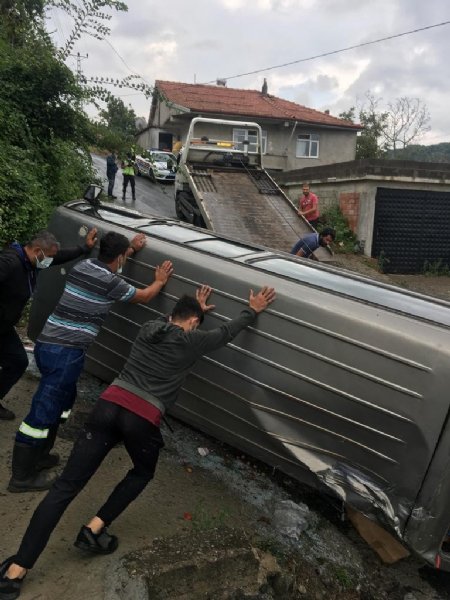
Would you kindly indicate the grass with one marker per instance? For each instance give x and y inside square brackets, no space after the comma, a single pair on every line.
[438,268]
[204,520]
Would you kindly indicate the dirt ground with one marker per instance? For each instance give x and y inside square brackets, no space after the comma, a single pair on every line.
[190,493]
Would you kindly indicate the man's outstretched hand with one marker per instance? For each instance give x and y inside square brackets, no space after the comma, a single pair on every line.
[260,301]
[163,272]
[91,238]
[202,295]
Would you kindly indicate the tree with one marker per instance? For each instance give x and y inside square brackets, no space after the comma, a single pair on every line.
[401,123]
[45,136]
[119,118]
[370,142]
[407,120]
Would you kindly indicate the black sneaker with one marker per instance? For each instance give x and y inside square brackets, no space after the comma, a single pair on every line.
[9,588]
[100,543]
[6,414]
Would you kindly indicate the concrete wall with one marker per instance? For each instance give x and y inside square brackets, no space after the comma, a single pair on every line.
[356,198]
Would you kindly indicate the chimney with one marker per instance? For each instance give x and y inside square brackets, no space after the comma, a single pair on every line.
[264,87]
[222,82]
[327,111]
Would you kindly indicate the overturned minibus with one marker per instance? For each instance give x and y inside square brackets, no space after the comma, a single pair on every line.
[341,383]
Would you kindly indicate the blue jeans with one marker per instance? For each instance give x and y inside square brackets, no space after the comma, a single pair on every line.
[60,367]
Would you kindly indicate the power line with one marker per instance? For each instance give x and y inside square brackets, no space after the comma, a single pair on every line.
[300,60]
[125,63]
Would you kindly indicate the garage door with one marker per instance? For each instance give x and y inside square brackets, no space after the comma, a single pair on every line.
[411,228]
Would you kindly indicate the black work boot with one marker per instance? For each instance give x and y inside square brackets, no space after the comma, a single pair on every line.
[96,543]
[25,477]
[47,460]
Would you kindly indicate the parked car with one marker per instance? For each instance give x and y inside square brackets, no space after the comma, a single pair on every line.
[342,383]
[158,165]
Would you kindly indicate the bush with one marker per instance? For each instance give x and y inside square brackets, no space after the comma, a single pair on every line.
[345,238]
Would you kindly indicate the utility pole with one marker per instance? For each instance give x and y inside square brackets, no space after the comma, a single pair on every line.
[79,58]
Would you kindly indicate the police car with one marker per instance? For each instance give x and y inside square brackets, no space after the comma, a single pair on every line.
[158,165]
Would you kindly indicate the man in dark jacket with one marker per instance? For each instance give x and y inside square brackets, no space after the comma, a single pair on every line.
[111,170]
[130,410]
[19,268]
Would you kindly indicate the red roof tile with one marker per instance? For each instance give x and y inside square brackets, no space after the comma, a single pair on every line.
[252,103]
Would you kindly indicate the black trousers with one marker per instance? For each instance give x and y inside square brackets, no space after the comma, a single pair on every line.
[13,360]
[126,179]
[108,424]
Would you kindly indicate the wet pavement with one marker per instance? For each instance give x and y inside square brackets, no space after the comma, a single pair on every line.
[151,198]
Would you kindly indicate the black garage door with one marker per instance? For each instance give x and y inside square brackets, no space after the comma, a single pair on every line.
[411,228]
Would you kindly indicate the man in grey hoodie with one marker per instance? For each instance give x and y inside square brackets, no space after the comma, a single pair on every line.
[129,411]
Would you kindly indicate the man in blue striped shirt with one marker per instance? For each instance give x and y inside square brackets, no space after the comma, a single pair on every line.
[91,289]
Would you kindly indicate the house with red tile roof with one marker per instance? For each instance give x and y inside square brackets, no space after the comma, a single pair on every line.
[294,136]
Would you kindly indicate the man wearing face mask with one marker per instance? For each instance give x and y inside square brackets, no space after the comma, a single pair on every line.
[19,268]
[91,289]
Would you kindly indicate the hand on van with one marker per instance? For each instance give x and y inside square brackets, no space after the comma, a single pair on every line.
[91,238]
[163,272]
[138,242]
[202,295]
[260,301]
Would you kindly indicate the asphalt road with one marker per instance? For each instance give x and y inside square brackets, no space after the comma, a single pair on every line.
[151,198]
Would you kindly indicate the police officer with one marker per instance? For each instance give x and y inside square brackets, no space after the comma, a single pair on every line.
[128,175]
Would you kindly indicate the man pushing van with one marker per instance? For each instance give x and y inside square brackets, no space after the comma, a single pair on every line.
[129,411]
[92,287]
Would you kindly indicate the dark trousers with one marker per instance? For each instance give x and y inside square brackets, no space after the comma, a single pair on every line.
[60,367]
[111,180]
[108,424]
[126,179]
[13,360]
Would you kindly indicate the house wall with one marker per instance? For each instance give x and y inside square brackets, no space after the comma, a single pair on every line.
[335,145]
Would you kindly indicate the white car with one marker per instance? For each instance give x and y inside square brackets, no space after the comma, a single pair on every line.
[158,165]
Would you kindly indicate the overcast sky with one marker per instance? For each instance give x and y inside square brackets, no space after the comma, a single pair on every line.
[201,40]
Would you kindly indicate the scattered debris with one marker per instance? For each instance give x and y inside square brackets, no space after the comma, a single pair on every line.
[388,548]
[203,451]
[291,519]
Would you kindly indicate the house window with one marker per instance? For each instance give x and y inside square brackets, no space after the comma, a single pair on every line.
[307,145]
[240,135]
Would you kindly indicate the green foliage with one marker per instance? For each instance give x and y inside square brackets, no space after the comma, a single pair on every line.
[385,130]
[344,578]
[45,135]
[119,118]
[383,262]
[117,127]
[369,143]
[439,153]
[438,268]
[345,238]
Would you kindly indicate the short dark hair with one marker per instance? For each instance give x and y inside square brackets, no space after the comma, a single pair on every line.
[112,245]
[328,231]
[187,307]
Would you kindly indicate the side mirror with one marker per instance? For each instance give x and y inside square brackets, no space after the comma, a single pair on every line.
[92,194]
